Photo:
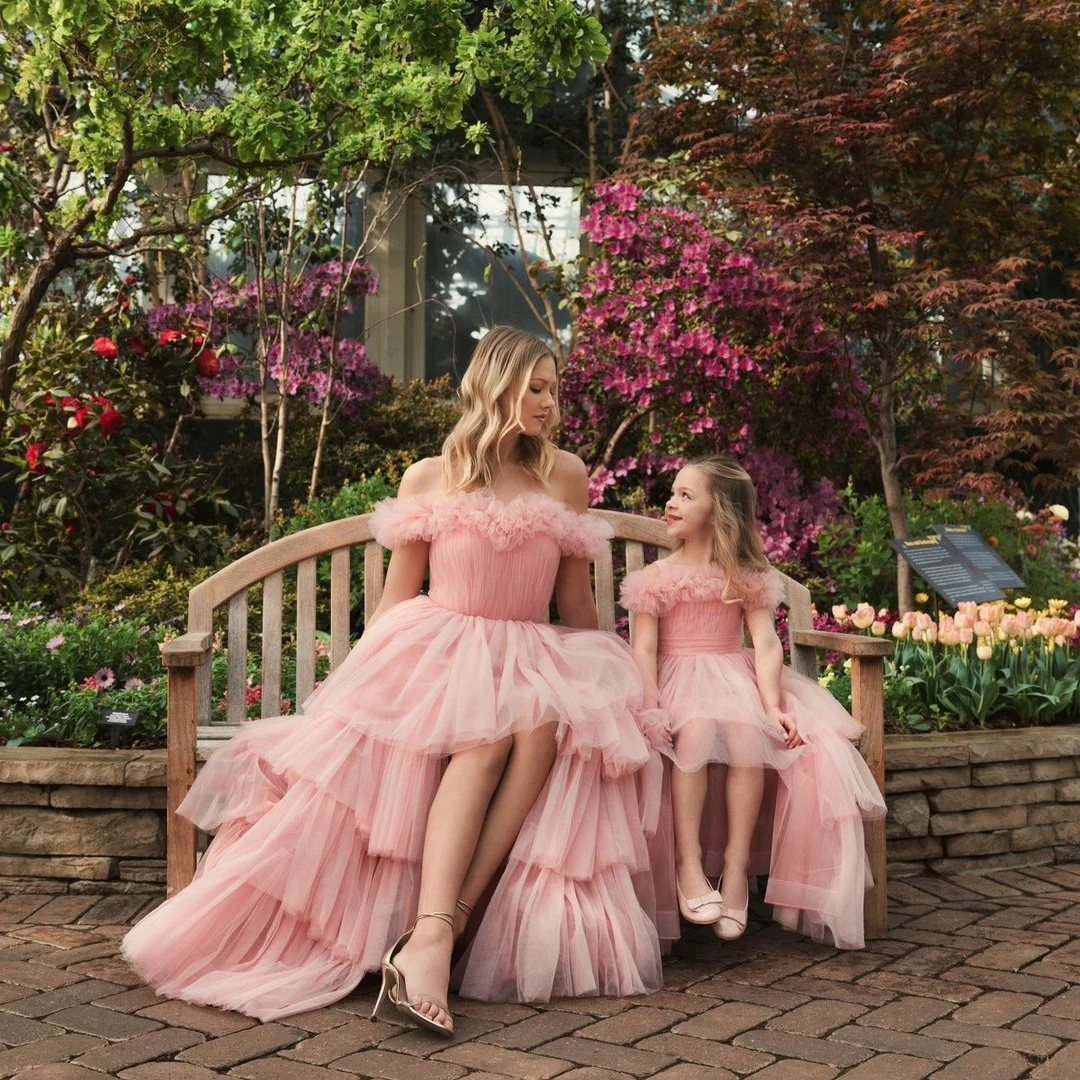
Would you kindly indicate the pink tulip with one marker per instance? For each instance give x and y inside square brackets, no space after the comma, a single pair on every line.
[931,633]
[863,616]
[967,635]
[877,628]
[900,630]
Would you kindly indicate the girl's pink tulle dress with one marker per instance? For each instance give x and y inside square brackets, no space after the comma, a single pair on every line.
[320,818]
[809,839]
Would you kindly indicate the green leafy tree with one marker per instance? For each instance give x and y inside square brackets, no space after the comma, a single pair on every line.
[111,99]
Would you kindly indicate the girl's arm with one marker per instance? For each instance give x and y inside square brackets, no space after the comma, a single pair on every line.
[573,589]
[408,562]
[768,664]
[643,639]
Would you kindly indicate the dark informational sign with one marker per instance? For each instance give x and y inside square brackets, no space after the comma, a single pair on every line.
[947,570]
[981,555]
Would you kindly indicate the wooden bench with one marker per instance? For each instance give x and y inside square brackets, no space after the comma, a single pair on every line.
[192,736]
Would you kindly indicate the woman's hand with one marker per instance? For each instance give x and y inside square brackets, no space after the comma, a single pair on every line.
[791,730]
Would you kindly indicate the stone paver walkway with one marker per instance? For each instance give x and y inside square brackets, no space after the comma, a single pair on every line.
[977,980]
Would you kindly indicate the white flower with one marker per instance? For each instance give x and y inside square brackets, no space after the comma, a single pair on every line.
[1059,511]
[1024,515]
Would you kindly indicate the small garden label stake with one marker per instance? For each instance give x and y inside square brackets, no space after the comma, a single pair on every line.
[947,570]
[116,720]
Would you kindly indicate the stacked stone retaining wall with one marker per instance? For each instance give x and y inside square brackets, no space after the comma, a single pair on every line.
[967,802]
[82,820]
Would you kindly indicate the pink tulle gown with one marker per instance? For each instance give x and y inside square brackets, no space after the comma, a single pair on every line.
[809,839]
[320,819]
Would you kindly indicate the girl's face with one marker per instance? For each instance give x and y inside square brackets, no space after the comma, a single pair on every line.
[688,512]
[539,401]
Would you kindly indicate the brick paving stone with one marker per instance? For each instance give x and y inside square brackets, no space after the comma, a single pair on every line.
[109,1024]
[209,1021]
[796,1070]
[683,1001]
[276,1068]
[963,946]
[957,992]
[62,909]
[768,996]
[111,969]
[627,1059]
[596,1007]
[17,1030]
[1024,1042]
[943,920]
[719,1055]
[55,1000]
[168,1070]
[142,1048]
[762,970]
[1049,1025]
[685,1071]
[503,1062]
[1024,937]
[129,1000]
[241,1046]
[15,908]
[985,1064]
[318,1020]
[59,937]
[339,1042]
[36,976]
[500,1012]
[1064,1065]
[381,1065]
[930,960]
[889,1067]
[899,1042]
[118,909]
[789,1045]
[538,1029]
[835,991]
[726,1021]
[13,993]
[411,1040]
[631,1025]
[67,957]
[848,965]
[1015,982]
[1007,956]
[907,1014]
[818,1018]
[59,1071]
[590,1074]
[1066,1005]
[997,1007]
[45,1052]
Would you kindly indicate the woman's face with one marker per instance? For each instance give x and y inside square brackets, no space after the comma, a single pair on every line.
[688,512]
[539,401]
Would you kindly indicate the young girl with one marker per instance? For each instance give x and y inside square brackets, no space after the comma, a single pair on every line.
[463,728]
[791,797]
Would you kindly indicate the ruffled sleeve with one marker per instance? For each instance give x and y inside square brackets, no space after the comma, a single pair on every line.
[643,591]
[402,521]
[761,589]
[584,536]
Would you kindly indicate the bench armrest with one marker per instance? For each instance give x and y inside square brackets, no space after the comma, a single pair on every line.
[188,650]
[847,644]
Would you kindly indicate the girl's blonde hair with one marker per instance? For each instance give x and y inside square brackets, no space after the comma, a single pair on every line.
[736,542]
[492,391]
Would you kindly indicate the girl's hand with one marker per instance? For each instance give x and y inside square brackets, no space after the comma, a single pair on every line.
[791,731]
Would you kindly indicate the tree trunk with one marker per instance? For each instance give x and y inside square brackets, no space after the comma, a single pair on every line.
[890,480]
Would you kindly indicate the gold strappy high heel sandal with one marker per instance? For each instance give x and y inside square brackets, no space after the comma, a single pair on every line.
[394,994]
[467,908]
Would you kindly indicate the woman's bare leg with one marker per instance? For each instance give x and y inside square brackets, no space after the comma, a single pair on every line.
[531,758]
[455,820]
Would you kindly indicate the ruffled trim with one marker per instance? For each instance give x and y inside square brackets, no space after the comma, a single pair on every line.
[506,525]
[658,588]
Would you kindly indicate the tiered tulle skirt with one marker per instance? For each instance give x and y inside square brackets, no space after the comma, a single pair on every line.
[320,822]
[810,838]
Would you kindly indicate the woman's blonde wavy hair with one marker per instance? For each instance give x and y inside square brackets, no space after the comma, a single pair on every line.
[492,391]
[736,541]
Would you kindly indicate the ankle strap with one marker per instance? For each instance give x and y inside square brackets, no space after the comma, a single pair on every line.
[445,916]
[467,908]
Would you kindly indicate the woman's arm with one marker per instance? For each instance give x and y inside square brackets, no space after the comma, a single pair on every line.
[408,562]
[573,589]
[768,665]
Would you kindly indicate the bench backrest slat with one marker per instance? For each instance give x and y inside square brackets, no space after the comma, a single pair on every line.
[273,584]
[305,630]
[237,645]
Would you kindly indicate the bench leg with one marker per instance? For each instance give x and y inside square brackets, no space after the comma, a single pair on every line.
[868,707]
[180,834]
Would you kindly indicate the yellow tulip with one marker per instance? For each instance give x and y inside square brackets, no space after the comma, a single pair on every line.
[984,650]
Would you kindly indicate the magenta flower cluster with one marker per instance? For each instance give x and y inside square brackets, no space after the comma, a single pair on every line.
[228,317]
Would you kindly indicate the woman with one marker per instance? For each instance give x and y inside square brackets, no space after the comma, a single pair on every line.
[462,731]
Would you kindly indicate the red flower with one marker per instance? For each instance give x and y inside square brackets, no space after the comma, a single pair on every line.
[130,279]
[80,416]
[34,453]
[122,301]
[208,363]
[137,346]
[70,527]
[167,336]
[5,525]
[106,348]
[110,422]
[101,399]
[6,147]
[197,339]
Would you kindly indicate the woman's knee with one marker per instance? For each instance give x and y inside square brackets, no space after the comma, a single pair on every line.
[539,744]
[489,758]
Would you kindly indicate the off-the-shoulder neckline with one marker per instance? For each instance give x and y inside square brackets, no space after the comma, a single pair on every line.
[483,495]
